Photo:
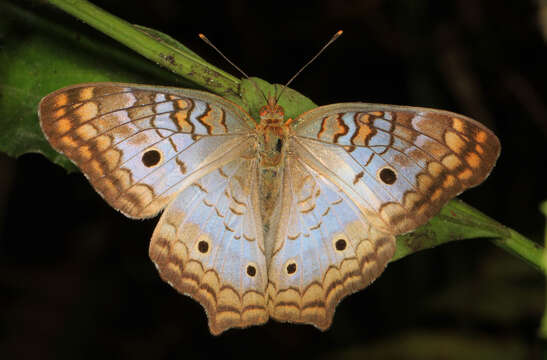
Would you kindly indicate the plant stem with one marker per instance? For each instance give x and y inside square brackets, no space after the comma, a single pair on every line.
[543,327]
[527,250]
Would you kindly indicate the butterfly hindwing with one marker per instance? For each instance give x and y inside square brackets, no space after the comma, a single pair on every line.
[323,248]
[209,245]
[138,145]
[400,164]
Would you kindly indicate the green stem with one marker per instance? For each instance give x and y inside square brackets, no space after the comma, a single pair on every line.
[527,250]
[184,64]
[543,327]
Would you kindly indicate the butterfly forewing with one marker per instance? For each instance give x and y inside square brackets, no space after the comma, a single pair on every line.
[400,165]
[140,145]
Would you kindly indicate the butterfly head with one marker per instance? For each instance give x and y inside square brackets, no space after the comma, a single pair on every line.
[272,113]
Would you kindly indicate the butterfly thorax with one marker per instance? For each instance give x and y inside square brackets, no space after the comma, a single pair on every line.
[272,134]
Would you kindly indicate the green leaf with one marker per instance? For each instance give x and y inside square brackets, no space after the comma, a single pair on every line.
[252,99]
[459,221]
[456,221]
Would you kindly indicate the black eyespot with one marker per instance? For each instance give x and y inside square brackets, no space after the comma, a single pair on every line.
[251,270]
[291,268]
[340,244]
[151,158]
[388,176]
[203,246]
[279,145]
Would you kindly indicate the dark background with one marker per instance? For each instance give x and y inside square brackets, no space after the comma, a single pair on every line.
[75,278]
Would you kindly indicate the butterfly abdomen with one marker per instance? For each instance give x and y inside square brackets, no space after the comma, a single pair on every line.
[272,143]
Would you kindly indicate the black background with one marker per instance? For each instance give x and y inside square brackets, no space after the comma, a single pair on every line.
[75,278]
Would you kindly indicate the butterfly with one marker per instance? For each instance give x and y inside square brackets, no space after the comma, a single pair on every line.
[271,219]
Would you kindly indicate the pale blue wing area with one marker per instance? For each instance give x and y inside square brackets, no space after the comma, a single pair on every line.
[357,180]
[324,248]
[209,245]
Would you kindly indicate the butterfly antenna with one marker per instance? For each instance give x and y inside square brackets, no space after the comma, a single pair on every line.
[208,42]
[332,39]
